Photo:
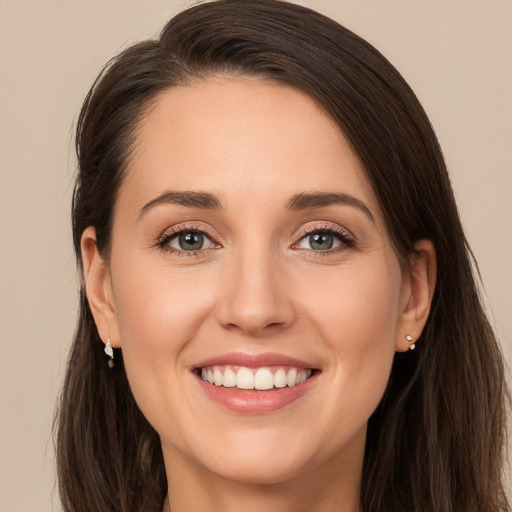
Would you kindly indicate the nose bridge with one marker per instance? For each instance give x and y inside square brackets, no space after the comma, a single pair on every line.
[255,299]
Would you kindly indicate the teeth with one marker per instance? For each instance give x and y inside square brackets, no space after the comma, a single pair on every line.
[291,377]
[251,378]
[217,377]
[244,379]
[263,379]
[280,378]
[229,380]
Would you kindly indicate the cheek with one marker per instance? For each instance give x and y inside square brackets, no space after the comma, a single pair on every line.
[357,307]
[158,314]
[157,309]
[356,318]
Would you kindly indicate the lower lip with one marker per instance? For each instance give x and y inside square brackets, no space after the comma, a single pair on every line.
[255,401]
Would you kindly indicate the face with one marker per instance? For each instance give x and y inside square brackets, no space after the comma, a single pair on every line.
[249,250]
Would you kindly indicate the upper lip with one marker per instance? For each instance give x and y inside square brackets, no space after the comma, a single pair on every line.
[254,360]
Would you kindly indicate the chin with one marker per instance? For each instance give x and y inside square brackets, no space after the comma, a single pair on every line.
[270,470]
[255,457]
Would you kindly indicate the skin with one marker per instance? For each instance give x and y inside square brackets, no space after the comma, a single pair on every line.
[257,287]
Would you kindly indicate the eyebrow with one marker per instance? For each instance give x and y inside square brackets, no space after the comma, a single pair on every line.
[203,200]
[302,201]
[305,201]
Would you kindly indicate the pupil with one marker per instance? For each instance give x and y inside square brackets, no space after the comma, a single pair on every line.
[191,241]
[321,241]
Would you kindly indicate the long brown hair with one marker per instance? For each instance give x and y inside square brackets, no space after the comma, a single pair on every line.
[436,441]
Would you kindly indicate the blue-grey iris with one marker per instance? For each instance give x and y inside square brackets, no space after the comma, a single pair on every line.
[321,241]
[191,241]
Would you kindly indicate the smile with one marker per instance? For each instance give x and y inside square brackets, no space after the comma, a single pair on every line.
[255,384]
[263,379]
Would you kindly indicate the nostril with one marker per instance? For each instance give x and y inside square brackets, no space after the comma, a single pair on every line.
[255,329]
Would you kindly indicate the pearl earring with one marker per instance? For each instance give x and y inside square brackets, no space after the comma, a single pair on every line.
[110,353]
[412,346]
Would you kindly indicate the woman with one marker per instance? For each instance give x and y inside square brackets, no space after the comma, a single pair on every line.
[272,260]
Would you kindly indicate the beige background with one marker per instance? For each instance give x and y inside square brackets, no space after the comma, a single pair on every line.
[457,56]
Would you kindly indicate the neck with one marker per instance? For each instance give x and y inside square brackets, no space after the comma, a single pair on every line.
[334,487]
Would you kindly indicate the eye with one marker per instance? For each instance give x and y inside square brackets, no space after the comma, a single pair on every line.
[319,241]
[186,240]
[189,241]
[324,240]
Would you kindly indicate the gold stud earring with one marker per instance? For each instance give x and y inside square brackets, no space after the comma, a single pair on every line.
[110,353]
[412,346]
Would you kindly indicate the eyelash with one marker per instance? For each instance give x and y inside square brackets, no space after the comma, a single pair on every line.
[168,236]
[347,240]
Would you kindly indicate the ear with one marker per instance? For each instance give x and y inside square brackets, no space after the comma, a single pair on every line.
[417,293]
[98,288]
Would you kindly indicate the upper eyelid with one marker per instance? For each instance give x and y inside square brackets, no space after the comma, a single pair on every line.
[180,228]
[324,226]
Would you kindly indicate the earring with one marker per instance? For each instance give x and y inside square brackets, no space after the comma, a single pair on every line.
[412,346]
[110,353]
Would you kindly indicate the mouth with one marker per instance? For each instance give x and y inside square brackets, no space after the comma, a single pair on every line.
[264,378]
[255,384]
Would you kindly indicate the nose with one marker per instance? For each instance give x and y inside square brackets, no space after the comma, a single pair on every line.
[257,297]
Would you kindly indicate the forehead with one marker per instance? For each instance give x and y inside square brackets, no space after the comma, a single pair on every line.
[241,138]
